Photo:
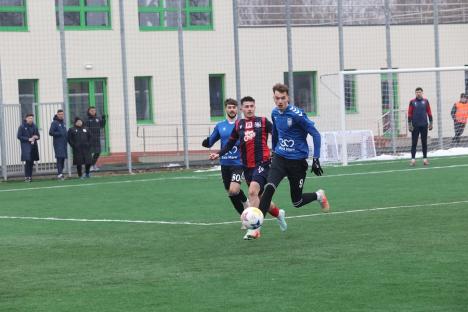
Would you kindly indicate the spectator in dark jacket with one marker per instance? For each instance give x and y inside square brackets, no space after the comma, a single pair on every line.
[28,134]
[79,139]
[58,130]
[94,125]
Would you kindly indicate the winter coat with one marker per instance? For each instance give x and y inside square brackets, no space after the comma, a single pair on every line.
[58,130]
[29,152]
[94,125]
[79,139]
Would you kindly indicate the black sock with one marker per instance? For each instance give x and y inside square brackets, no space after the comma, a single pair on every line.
[306,198]
[243,198]
[267,195]
[237,202]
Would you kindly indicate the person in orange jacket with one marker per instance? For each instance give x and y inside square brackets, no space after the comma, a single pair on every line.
[459,115]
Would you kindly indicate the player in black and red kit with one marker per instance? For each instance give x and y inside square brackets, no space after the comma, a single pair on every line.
[252,134]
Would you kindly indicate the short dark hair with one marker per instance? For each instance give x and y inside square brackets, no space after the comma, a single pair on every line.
[281,88]
[419,89]
[462,95]
[230,102]
[247,99]
[60,111]
[29,115]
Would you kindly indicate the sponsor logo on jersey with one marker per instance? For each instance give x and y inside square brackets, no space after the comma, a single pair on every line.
[249,135]
[286,145]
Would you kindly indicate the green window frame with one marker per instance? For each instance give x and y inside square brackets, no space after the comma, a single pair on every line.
[144,100]
[350,93]
[305,90]
[386,101]
[82,11]
[89,92]
[18,10]
[466,80]
[217,96]
[29,98]
[162,15]
[385,95]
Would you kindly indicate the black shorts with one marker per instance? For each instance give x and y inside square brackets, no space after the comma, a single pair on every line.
[231,174]
[258,174]
[294,169]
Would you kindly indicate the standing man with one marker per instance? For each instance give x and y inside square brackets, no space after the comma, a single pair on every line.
[290,129]
[79,139]
[94,125]
[419,111]
[231,166]
[252,134]
[58,130]
[28,134]
[459,115]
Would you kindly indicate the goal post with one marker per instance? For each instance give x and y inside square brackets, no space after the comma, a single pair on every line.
[374,103]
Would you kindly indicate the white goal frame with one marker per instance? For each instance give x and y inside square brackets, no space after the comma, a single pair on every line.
[341,78]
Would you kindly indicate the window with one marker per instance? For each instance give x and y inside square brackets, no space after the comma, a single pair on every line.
[89,92]
[385,92]
[143,100]
[85,14]
[466,81]
[13,15]
[216,84]
[162,14]
[386,105]
[28,97]
[305,92]
[350,93]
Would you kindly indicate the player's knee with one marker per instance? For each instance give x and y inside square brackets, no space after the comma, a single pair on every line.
[269,190]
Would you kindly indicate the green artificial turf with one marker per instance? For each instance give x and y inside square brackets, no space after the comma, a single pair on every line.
[396,241]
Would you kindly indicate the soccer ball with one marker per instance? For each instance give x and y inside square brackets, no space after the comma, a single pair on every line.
[252,218]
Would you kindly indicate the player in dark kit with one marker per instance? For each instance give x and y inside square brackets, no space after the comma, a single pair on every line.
[419,111]
[231,165]
[290,129]
[252,134]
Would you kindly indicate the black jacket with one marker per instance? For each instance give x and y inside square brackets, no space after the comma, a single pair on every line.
[79,139]
[94,125]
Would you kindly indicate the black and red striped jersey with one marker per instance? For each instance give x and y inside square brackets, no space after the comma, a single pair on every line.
[252,134]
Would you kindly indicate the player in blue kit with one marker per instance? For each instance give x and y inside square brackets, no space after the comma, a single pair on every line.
[231,165]
[290,129]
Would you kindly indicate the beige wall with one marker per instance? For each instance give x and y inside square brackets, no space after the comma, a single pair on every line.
[263,54]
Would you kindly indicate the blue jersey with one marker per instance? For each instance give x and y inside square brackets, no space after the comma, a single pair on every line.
[290,129]
[223,131]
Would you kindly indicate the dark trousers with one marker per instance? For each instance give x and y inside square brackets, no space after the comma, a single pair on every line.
[419,130]
[79,169]
[459,128]
[28,168]
[95,158]
[60,165]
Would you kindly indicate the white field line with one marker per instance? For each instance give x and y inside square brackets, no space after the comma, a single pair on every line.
[387,171]
[100,183]
[216,175]
[228,222]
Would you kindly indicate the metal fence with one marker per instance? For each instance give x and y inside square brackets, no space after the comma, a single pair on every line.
[177,47]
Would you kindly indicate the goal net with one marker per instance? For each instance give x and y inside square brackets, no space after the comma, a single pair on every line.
[365,113]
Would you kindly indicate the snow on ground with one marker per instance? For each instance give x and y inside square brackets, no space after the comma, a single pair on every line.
[456,151]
